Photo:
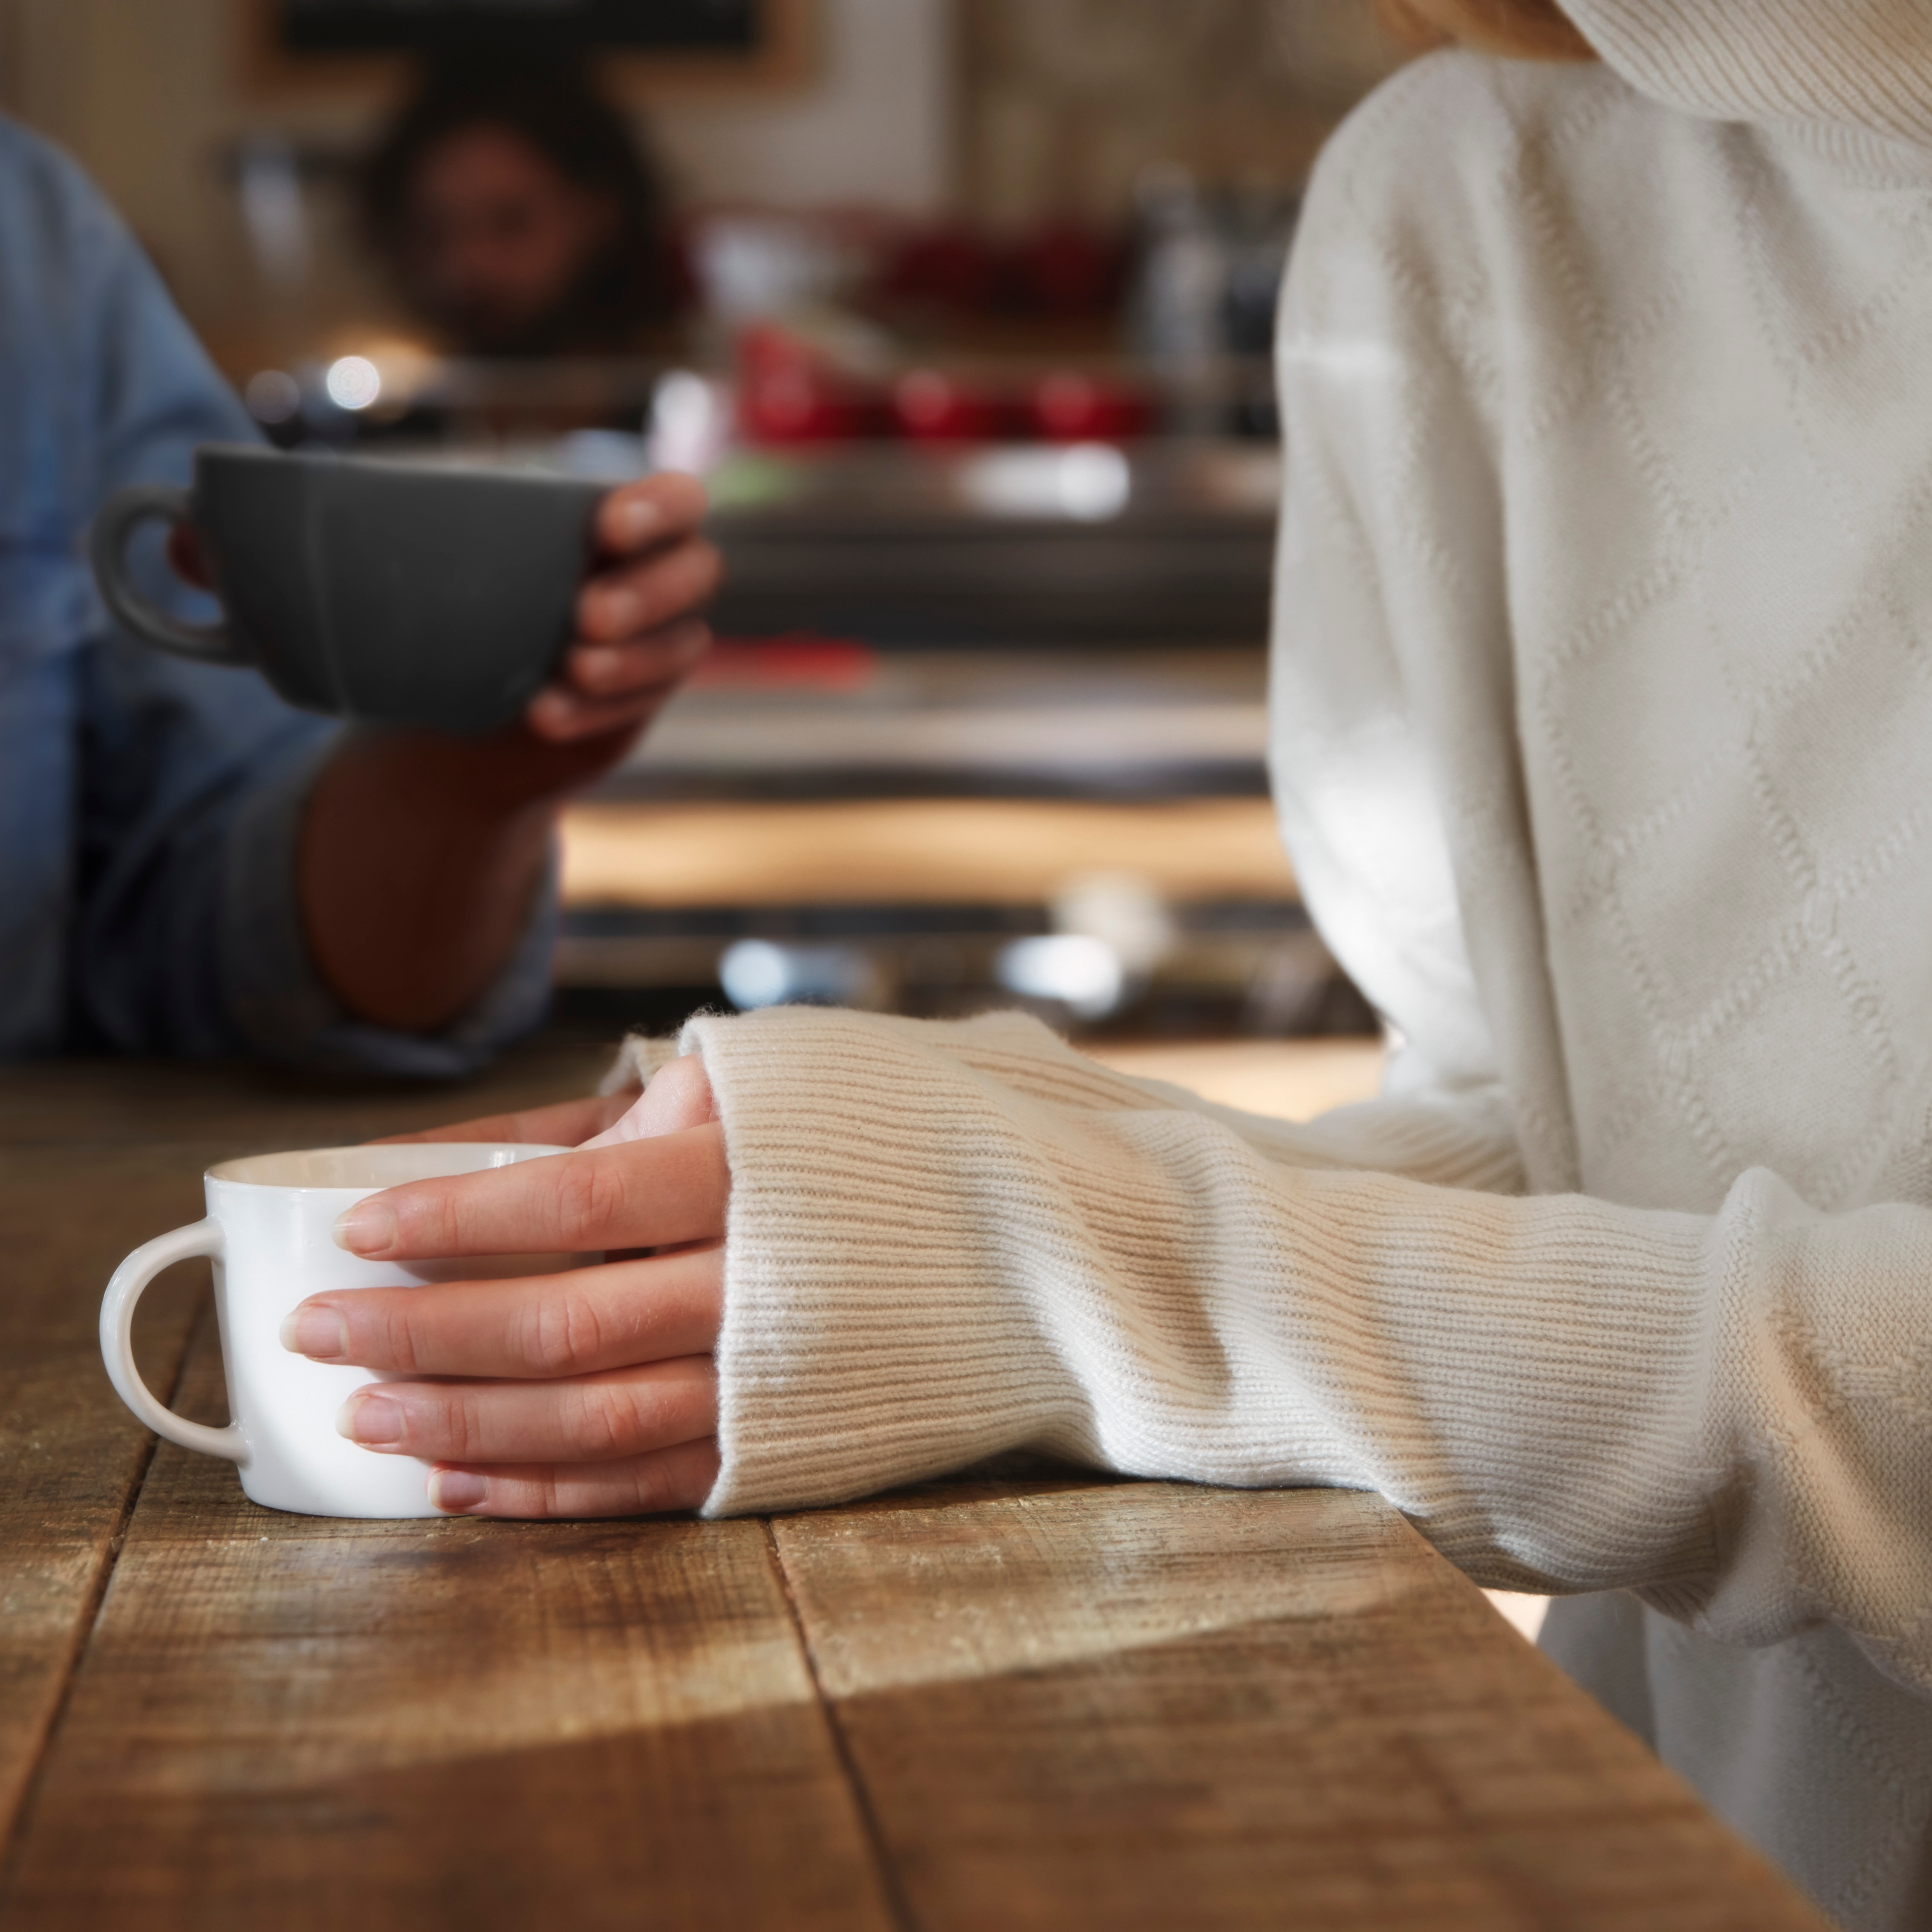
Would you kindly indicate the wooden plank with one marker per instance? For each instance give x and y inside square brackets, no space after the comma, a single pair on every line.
[291,1722]
[95,1158]
[1144,1705]
[70,1454]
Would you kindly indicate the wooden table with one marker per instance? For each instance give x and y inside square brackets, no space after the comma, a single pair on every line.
[1053,1702]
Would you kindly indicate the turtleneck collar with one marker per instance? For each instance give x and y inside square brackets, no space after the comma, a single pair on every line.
[1835,68]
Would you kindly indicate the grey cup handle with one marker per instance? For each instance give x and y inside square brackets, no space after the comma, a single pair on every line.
[107,550]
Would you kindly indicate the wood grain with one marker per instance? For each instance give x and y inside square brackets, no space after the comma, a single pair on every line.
[71,1455]
[95,1157]
[1144,1705]
[290,1722]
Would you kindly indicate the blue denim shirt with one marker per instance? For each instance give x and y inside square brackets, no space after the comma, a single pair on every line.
[148,806]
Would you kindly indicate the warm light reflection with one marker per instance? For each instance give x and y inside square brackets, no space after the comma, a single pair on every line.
[756,973]
[1091,482]
[1082,973]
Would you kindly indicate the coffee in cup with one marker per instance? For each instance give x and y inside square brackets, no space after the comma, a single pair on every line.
[270,1233]
[399,593]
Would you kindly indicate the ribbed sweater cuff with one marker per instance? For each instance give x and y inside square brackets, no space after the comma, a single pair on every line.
[945,1241]
[859,1348]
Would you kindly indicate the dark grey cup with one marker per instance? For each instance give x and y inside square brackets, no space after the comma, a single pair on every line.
[396,593]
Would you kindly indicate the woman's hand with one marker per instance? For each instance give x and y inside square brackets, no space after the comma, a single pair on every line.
[587,1393]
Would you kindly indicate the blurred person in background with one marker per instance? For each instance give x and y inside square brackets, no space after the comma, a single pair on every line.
[517,214]
[187,865]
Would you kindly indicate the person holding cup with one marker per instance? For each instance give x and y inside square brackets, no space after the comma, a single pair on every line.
[186,864]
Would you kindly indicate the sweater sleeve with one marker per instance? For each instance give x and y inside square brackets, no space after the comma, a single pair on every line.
[950,1240]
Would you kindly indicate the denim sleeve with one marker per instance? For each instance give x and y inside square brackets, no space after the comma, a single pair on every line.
[169,752]
[187,935]
[191,938]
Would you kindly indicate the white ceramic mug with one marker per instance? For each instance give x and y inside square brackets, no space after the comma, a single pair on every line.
[269,1234]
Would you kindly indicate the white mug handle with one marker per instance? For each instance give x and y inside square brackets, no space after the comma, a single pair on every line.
[117,1339]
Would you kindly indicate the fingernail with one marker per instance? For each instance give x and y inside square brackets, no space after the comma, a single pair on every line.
[373,1420]
[638,518]
[368,1227]
[454,1490]
[316,1331]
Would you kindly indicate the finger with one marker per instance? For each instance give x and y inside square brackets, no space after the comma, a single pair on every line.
[560,717]
[585,1419]
[189,559]
[653,510]
[628,599]
[679,1096]
[680,1478]
[614,670]
[531,1326]
[568,1124]
[647,1194]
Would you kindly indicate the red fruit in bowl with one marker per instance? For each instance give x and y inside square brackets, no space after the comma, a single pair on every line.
[798,404]
[765,348]
[932,406]
[1071,406]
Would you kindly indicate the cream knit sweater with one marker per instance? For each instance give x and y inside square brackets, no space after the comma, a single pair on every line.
[1604,743]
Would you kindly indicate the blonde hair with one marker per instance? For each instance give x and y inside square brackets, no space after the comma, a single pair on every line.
[1522,29]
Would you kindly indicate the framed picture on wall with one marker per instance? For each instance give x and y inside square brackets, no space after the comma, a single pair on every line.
[644,46]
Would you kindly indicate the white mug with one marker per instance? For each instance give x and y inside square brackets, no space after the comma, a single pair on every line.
[270,1234]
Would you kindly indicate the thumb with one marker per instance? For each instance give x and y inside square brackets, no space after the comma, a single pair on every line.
[679,1096]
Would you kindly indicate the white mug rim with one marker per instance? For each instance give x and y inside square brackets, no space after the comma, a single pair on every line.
[231,1173]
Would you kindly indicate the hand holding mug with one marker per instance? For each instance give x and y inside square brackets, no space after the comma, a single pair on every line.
[584,1394]
[637,630]
[510,634]
[426,594]
[512,1380]
[636,636]
[268,1232]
